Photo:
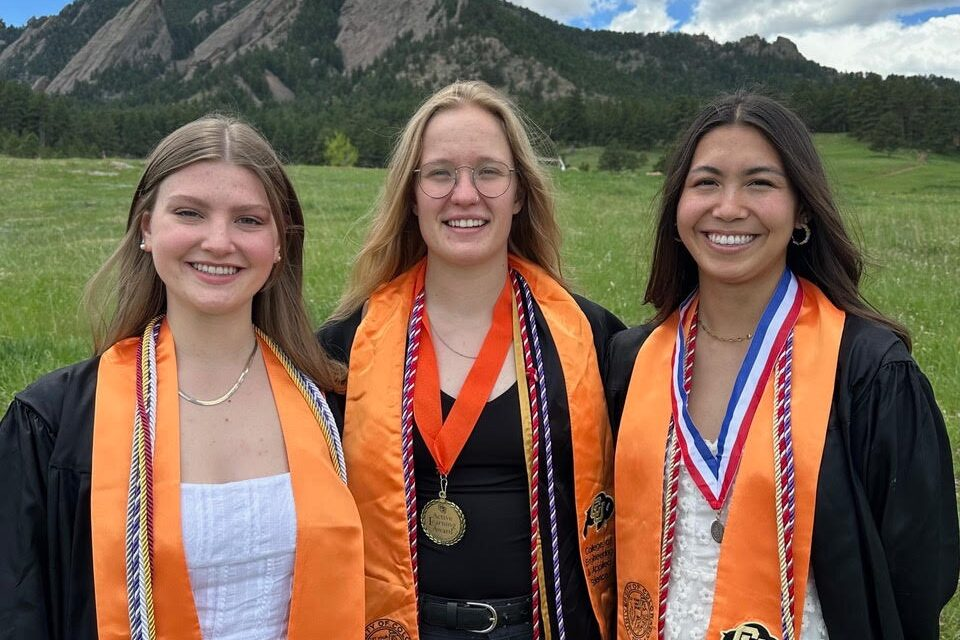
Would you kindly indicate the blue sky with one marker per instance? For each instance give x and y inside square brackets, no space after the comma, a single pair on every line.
[884,36]
[17,12]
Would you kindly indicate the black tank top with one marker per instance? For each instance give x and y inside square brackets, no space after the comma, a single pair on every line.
[489,483]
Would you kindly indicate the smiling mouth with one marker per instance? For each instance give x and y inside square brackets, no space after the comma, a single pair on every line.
[214,270]
[465,224]
[731,240]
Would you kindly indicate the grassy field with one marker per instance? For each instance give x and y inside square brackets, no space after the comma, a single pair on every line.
[60,218]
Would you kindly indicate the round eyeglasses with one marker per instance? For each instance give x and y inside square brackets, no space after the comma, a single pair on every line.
[491,179]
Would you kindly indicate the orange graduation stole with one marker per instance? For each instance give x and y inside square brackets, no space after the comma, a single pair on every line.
[374,447]
[327,593]
[749,580]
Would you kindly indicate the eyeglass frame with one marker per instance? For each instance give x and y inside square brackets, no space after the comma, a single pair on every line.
[473,178]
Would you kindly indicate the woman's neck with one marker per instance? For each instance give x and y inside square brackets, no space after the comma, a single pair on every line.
[211,342]
[463,293]
[732,310]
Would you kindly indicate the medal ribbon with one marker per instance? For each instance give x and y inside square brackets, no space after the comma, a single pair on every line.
[521,328]
[446,438]
[714,474]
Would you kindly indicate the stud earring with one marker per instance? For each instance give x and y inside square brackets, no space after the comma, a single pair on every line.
[806,235]
[143,246]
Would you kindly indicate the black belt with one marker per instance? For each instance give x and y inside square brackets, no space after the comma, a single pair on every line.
[476,616]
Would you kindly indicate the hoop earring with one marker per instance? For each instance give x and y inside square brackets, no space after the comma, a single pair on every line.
[806,235]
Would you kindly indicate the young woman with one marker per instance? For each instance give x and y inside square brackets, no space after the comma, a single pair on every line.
[475,428]
[188,481]
[782,468]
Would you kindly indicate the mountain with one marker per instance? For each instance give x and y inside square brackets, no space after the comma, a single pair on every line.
[426,42]
[312,66]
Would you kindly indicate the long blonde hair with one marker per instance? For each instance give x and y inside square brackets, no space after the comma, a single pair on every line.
[394,244]
[126,293]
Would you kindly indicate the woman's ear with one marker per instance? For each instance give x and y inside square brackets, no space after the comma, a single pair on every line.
[145,231]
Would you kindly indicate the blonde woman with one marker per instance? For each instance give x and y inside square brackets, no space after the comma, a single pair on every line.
[188,480]
[475,428]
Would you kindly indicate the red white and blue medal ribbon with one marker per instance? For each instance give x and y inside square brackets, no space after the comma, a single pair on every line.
[714,473]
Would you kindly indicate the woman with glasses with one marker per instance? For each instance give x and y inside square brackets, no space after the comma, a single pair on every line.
[783,470]
[475,428]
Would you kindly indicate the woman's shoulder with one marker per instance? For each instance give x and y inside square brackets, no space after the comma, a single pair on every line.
[336,335]
[622,353]
[867,347]
[601,319]
[63,392]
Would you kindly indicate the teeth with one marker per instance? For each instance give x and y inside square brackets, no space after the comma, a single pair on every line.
[728,240]
[465,224]
[213,269]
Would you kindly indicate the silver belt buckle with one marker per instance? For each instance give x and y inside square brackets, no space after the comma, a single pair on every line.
[491,611]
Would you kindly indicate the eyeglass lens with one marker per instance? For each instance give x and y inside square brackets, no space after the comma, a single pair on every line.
[491,179]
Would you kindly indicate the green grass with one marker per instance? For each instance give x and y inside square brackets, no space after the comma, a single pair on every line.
[59,219]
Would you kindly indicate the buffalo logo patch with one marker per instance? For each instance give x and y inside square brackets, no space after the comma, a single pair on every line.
[598,513]
[748,631]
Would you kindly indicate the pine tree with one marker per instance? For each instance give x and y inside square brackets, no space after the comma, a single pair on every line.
[339,151]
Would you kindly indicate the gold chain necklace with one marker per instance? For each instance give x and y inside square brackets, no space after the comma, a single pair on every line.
[232,390]
[704,326]
[433,331]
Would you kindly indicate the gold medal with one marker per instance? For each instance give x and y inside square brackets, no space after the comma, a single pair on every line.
[442,520]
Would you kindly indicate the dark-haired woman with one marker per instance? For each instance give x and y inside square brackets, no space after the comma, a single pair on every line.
[782,468]
[188,481]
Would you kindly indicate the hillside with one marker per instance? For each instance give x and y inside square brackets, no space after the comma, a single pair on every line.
[302,68]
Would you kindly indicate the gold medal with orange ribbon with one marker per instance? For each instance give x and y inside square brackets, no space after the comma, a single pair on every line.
[442,519]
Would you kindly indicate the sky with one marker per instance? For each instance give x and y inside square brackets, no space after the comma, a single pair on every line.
[905,37]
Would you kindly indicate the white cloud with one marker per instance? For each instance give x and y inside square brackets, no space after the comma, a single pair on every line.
[566,10]
[849,35]
[888,47]
[561,10]
[644,17]
[732,19]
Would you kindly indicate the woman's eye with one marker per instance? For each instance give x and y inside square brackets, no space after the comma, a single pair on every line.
[250,220]
[761,182]
[705,182]
[186,213]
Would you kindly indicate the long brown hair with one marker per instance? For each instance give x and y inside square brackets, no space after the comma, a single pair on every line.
[394,244]
[831,259]
[126,293]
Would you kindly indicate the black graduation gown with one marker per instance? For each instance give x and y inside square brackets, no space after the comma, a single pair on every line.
[337,338]
[885,552]
[46,561]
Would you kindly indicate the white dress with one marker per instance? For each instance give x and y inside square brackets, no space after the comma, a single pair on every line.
[239,539]
[693,575]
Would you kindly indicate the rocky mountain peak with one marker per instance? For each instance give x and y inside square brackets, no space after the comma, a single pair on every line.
[782,48]
[137,34]
[262,23]
[370,27]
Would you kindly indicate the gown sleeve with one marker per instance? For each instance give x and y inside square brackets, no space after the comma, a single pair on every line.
[26,445]
[907,469]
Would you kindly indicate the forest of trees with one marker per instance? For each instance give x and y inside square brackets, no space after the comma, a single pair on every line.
[915,112]
[634,91]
